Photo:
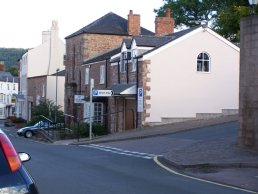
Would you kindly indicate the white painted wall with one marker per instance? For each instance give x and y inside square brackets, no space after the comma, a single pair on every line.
[178,90]
[7,90]
[51,88]
[46,58]
[21,107]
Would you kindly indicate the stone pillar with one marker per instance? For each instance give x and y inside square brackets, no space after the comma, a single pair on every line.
[248,97]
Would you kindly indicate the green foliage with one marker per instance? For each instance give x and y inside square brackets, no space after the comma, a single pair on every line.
[228,22]
[83,128]
[223,16]
[48,109]
[13,70]
[10,56]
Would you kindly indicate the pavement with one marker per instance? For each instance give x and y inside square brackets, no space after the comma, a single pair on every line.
[221,161]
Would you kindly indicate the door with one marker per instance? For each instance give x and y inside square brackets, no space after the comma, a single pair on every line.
[130,105]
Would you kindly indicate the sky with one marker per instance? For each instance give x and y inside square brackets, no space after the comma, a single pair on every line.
[22,22]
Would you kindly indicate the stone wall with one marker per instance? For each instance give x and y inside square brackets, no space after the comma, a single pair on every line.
[248,98]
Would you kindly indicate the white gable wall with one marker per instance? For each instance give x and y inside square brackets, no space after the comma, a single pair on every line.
[178,90]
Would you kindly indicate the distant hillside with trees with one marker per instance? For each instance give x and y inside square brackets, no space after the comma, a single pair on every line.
[10,56]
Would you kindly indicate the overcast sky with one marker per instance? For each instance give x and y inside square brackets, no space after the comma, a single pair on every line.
[22,21]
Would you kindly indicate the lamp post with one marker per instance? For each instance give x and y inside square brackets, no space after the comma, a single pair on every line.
[57,70]
[253,3]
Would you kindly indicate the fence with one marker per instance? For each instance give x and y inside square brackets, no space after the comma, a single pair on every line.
[72,127]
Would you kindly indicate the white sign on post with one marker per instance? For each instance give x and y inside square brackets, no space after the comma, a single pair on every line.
[79,99]
[140,101]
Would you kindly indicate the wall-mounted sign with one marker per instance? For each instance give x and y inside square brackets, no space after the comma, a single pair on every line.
[102,93]
[79,99]
[140,102]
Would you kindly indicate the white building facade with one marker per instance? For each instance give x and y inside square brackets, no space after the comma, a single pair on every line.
[37,69]
[8,89]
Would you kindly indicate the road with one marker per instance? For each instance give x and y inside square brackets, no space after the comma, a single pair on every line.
[60,169]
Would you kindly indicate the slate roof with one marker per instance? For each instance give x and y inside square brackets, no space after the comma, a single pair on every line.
[144,41]
[171,38]
[110,23]
[7,75]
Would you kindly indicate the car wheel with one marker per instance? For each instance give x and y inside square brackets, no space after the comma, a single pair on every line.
[28,134]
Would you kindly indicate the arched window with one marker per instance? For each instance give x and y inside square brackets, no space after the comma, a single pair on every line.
[203,62]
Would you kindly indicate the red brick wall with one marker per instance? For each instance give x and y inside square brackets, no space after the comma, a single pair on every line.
[134,26]
[79,49]
[164,25]
[35,87]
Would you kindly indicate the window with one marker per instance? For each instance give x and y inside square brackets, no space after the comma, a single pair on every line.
[203,62]
[43,90]
[87,76]
[122,61]
[98,113]
[1,111]
[1,98]
[134,60]
[8,87]
[102,74]
[13,86]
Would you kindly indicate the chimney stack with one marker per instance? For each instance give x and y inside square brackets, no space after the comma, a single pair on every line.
[133,24]
[164,25]
[2,66]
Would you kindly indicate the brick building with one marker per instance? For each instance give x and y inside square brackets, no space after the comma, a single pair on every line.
[157,79]
[100,36]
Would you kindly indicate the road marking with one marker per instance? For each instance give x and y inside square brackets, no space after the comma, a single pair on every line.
[121,152]
[199,179]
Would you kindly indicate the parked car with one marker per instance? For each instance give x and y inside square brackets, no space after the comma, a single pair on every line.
[29,131]
[14,177]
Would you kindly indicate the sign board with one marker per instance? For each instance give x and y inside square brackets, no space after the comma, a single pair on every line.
[140,102]
[78,99]
[102,93]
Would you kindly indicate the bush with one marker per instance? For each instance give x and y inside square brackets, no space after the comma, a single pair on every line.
[15,119]
[97,129]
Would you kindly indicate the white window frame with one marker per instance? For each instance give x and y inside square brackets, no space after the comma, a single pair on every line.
[1,98]
[203,62]
[98,112]
[134,60]
[122,61]
[102,74]
[87,76]
[43,90]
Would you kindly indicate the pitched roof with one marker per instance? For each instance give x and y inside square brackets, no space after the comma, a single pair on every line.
[171,38]
[151,41]
[7,76]
[144,41]
[110,23]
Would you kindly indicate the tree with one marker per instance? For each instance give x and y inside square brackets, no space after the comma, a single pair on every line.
[228,22]
[190,13]
[13,70]
[46,108]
